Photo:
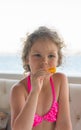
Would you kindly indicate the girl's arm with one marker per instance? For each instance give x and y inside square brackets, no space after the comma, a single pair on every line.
[22,110]
[63,119]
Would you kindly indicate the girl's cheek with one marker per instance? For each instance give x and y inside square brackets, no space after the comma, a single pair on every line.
[52,64]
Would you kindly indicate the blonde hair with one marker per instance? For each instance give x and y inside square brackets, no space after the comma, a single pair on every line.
[41,33]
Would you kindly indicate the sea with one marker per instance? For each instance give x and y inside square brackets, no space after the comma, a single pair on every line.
[13,64]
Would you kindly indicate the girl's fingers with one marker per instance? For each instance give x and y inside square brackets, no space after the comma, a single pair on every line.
[40,73]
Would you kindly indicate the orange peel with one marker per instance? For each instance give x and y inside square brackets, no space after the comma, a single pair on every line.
[52,70]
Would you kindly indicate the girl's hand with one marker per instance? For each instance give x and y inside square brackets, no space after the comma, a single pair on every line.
[37,80]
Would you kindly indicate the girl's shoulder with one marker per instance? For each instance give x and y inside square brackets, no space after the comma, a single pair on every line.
[59,76]
[20,87]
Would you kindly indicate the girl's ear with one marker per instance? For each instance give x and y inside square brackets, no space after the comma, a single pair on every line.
[27,60]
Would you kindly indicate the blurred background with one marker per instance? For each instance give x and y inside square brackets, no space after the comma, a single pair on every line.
[19,17]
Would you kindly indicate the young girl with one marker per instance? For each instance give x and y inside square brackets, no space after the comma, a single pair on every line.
[40,101]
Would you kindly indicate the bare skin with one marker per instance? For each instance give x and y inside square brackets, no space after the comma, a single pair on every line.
[24,105]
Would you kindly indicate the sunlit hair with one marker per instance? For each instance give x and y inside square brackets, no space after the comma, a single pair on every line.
[42,33]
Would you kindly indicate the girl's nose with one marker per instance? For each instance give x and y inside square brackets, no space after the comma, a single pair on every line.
[45,60]
[44,63]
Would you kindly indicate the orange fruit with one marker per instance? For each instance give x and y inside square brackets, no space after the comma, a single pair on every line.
[52,70]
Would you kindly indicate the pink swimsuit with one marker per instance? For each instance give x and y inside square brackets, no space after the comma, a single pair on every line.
[51,115]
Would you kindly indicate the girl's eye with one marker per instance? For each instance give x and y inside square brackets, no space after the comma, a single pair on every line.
[37,55]
[51,56]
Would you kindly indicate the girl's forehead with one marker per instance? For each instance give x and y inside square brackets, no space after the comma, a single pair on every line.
[44,45]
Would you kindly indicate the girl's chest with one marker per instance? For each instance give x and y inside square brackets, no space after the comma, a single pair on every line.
[45,101]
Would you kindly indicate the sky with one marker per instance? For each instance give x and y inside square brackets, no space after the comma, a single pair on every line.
[18,17]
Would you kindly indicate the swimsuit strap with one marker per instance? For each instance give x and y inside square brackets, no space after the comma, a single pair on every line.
[53,88]
[28,84]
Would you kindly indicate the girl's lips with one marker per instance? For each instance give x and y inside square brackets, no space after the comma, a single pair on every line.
[52,70]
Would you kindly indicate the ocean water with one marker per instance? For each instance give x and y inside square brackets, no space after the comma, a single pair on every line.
[13,64]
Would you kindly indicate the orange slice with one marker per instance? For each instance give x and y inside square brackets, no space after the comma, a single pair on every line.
[52,70]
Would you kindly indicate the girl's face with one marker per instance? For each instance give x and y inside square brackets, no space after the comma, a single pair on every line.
[43,55]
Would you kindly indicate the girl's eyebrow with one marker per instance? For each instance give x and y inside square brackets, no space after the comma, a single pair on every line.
[35,51]
[50,51]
